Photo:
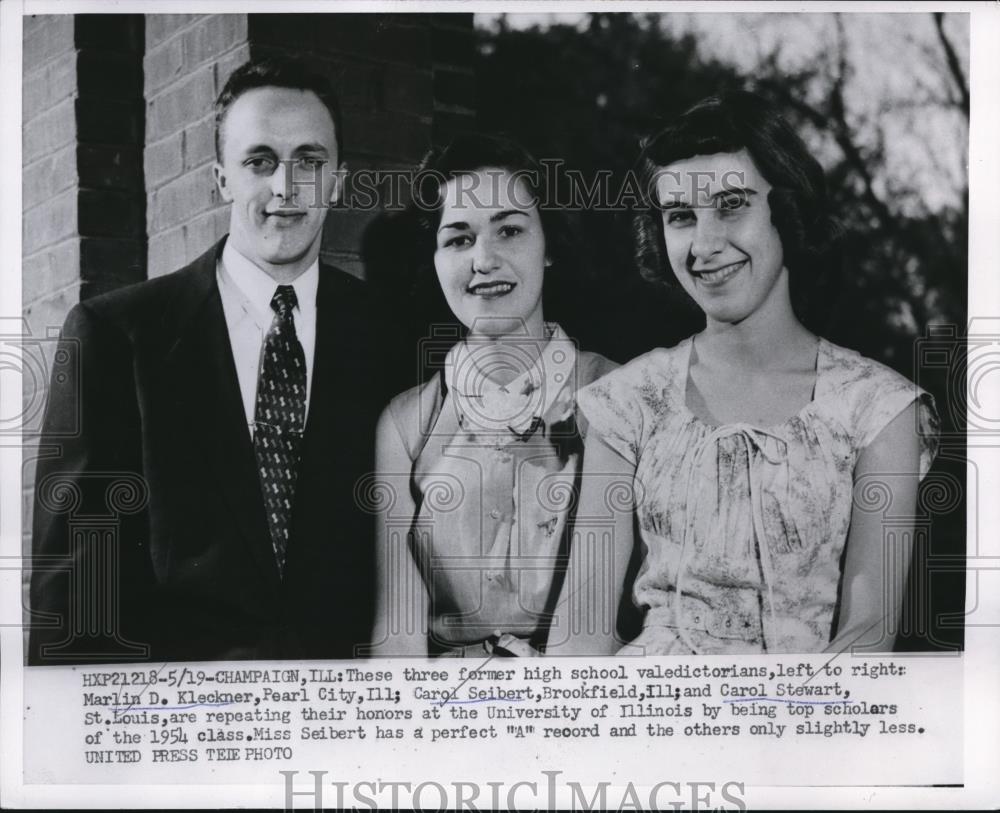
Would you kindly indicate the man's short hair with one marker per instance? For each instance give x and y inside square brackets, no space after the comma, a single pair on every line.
[279,72]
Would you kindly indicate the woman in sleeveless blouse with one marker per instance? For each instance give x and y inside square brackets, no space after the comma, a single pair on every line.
[482,461]
[755,452]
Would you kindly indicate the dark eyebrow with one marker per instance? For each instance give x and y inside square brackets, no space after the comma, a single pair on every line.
[738,190]
[311,148]
[303,148]
[674,203]
[505,214]
[461,224]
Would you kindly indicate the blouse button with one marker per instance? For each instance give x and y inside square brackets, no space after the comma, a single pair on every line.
[729,622]
[495,513]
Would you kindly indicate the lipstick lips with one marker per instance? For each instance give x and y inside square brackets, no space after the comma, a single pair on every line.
[491,290]
[718,276]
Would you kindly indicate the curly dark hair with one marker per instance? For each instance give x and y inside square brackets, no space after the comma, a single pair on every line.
[279,72]
[474,152]
[727,123]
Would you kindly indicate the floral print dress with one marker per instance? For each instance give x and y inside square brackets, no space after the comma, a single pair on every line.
[744,526]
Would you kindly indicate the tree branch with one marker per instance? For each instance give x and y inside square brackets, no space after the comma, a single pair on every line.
[954,66]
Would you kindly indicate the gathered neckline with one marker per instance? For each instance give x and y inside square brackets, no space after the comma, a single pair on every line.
[822,358]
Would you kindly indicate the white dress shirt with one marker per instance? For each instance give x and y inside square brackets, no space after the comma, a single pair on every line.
[246,293]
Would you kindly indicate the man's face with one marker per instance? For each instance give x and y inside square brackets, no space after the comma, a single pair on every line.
[278,169]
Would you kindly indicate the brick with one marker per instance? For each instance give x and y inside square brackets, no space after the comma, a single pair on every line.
[46,36]
[164,160]
[454,88]
[212,35]
[226,64]
[163,65]
[48,85]
[204,231]
[166,252]
[109,75]
[112,262]
[199,143]
[398,41]
[51,269]
[110,167]
[453,46]
[110,32]
[178,201]
[108,263]
[160,27]
[49,131]
[284,30]
[124,258]
[356,83]
[108,121]
[51,310]
[389,135]
[180,104]
[452,20]
[407,90]
[109,213]
[49,223]
[47,177]
[373,36]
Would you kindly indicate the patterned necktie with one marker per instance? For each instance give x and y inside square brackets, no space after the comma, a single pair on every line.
[279,418]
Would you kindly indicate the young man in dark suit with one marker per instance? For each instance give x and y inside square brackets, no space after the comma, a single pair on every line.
[206,507]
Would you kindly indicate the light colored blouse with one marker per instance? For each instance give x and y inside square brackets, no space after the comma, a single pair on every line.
[494,474]
[744,526]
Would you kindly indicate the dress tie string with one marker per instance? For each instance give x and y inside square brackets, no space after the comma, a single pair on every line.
[757,455]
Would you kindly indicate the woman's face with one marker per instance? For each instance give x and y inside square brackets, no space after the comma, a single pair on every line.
[719,238]
[490,257]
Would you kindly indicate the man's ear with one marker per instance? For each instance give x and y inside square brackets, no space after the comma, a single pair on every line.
[220,181]
[337,184]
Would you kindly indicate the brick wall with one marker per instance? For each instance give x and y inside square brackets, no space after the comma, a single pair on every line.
[403,81]
[50,248]
[188,58]
[83,193]
[83,197]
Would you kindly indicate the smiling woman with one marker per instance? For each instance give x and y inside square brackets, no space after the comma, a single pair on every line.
[483,460]
[742,447]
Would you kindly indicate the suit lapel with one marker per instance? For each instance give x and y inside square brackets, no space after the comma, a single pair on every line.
[209,400]
[320,422]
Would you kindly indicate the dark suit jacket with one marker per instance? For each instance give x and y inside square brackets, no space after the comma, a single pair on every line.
[150,540]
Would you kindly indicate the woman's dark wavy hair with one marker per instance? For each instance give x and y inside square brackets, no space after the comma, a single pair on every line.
[731,122]
[473,152]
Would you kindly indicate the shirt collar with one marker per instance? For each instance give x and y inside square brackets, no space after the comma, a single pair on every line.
[257,287]
[545,389]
